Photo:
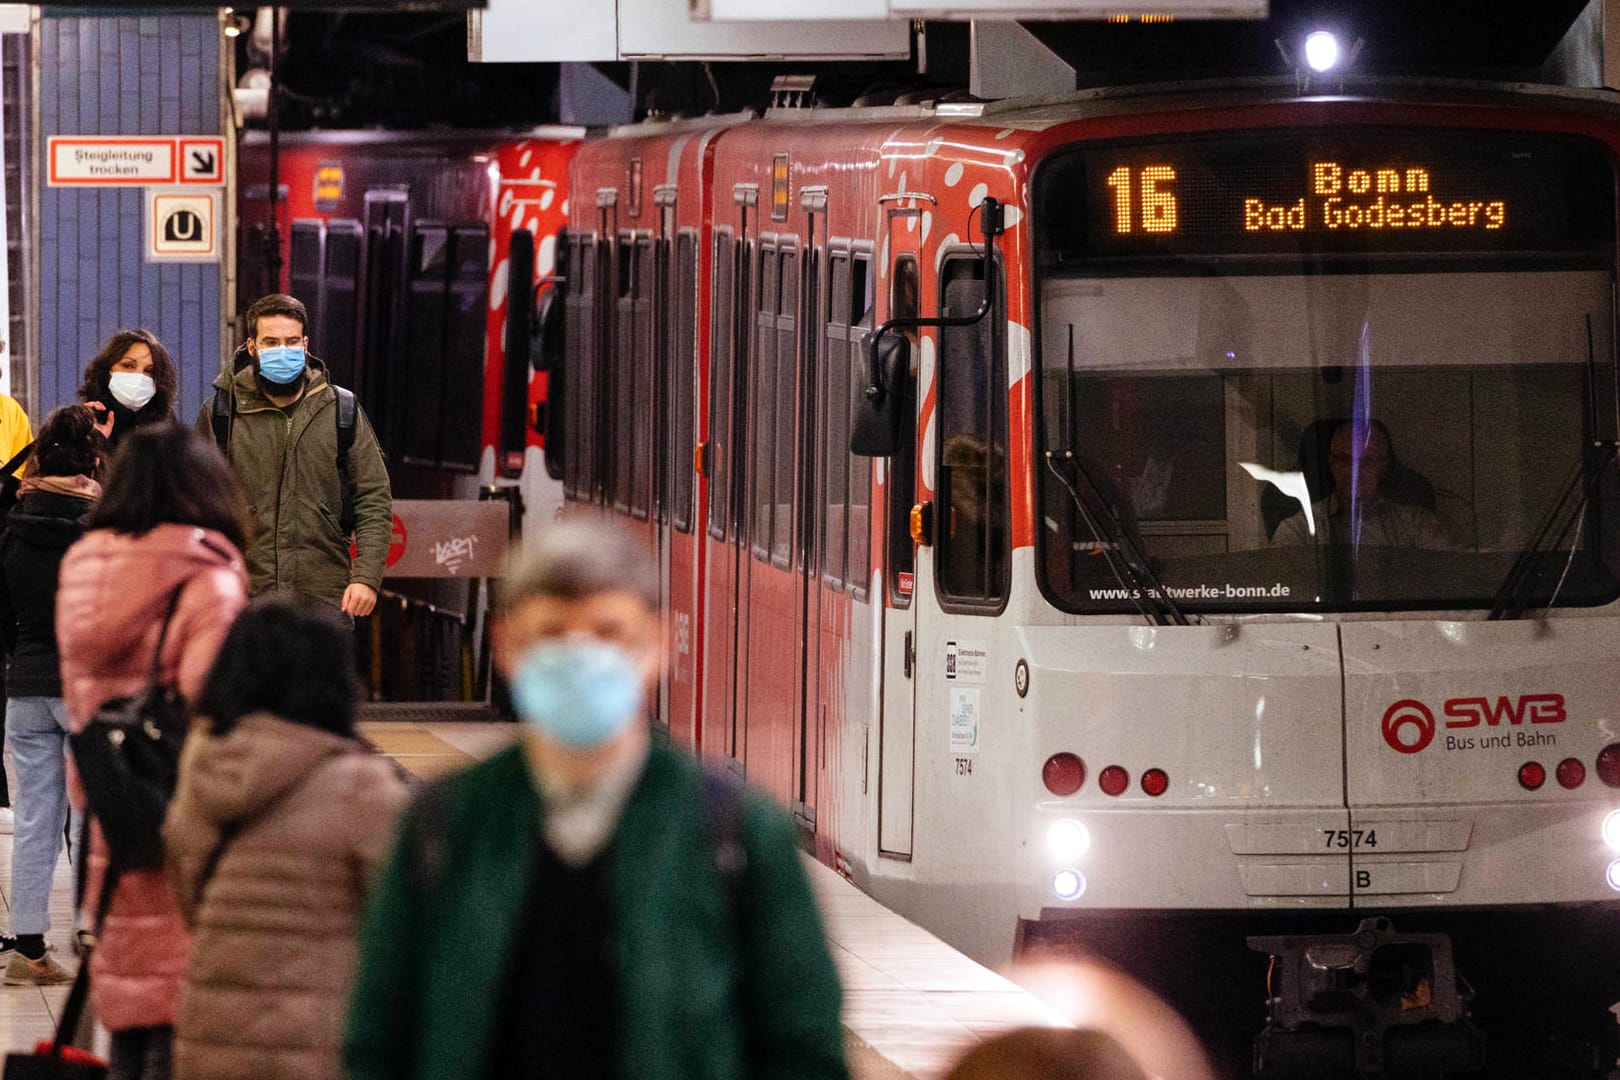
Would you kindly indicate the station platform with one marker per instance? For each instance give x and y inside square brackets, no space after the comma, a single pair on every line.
[912,1004]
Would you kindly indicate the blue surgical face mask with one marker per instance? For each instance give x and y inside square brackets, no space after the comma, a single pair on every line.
[580,691]
[282,364]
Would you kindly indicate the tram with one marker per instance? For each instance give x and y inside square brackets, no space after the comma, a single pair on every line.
[425,260]
[1147,521]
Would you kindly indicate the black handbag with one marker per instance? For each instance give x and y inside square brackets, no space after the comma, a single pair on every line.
[128,757]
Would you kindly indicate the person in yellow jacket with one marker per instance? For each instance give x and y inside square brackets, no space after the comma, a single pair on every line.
[15,433]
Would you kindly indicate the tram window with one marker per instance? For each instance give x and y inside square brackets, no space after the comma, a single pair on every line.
[762,401]
[623,396]
[641,380]
[425,324]
[810,412]
[685,367]
[785,413]
[971,509]
[576,305]
[835,432]
[860,468]
[741,382]
[902,474]
[663,368]
[461,438]
[604,432]
[720,337]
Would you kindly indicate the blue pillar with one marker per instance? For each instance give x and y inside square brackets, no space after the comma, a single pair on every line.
[153,74]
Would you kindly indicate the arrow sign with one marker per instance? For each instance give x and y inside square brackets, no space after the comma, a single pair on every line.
[202,159]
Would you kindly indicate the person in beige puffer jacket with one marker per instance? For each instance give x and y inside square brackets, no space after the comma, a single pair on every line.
[280,818]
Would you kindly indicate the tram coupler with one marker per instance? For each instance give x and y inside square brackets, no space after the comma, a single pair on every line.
[1374,1003]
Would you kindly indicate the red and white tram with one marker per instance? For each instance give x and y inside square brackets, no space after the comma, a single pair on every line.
[1241,553]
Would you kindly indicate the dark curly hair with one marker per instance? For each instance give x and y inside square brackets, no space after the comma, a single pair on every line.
[287,655]
[68,444]
[99,371]
[164,474]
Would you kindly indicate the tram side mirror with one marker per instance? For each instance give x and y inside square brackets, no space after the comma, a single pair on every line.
[875,426]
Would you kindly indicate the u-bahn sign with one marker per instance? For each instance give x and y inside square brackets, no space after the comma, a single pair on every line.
[182,225]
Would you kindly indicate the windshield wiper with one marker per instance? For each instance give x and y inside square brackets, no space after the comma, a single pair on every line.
[1568,513]
[1125,556]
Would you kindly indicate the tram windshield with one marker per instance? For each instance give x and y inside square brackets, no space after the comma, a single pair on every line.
[1311,429]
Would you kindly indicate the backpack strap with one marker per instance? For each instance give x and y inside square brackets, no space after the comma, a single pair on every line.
[10,468]
[427,835]
[223,412]
[723,815]
[347,413]
[156,672]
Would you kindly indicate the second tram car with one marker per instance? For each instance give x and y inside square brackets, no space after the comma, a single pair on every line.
[423,260]
[1233,547]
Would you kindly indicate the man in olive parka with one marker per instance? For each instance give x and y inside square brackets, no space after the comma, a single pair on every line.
[281,425]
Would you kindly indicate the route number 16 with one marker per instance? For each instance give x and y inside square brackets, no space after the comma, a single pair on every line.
[1157,207]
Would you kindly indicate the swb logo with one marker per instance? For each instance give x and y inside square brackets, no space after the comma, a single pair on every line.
[1409,725]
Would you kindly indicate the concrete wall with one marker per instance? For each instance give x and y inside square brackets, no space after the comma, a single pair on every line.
[157,74]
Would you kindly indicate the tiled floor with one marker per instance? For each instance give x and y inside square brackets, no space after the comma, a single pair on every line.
[29,1013]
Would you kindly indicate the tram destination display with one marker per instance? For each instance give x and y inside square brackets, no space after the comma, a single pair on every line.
[1403,192]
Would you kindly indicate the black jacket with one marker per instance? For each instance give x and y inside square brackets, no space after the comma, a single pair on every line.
[39,530]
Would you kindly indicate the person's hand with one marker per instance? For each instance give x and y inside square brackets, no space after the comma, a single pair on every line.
[359,599]
[104,418]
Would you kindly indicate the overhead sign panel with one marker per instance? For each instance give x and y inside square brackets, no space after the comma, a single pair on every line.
[1106,10]
[567,31]
[749,10]
[134,160]
[144,7]
[665,29]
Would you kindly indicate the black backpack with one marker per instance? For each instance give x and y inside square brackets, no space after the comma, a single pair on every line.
[224,413]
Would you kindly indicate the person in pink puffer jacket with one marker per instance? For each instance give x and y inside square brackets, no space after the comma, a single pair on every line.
[172,518]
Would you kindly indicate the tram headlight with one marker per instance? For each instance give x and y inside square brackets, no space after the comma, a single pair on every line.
[1067,840]
[1611,830]
[1070,884]
[1321,51]
[1614,876]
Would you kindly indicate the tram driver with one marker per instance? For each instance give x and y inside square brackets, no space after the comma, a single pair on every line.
[1365,507]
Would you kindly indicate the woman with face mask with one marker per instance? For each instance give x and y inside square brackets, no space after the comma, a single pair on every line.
[132,381]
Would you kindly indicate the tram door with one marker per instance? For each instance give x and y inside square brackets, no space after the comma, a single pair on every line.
[387,217]
[896,736]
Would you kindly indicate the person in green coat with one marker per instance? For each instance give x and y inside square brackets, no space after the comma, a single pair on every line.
[280,427]
[591,903]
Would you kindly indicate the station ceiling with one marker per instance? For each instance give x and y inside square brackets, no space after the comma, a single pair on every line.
[411,70]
